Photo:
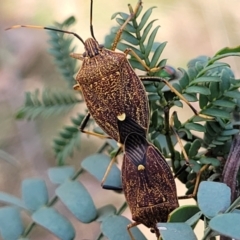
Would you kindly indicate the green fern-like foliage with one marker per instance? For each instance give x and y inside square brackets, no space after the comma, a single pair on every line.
[68,140]
[50,103]
[61,47]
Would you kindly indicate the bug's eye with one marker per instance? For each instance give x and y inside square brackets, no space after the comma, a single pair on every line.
[84,54]
[152,230]
[101,45]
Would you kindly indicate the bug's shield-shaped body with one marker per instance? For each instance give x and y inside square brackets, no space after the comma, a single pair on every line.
[148,183]
[110,88]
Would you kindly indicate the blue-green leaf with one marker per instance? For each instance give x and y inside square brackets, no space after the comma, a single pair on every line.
[157,54]
[224,103]
[179,231]
[128,27]
[184,81]
[207,160]
[77,199]
[198,89]
[213,198]
[232,94]
[9,199]
[11,226]
[130,38]
[115,227]
[144,19]
[105,212]
[205,79]
[34,193]
[227,225]
[97,165]
[193,150]
[228,50]
[195,126]
[215,112]
[56,223]
[190,97]
[59,175]
[146,30]
[183,213]
[230,132]
[150,41]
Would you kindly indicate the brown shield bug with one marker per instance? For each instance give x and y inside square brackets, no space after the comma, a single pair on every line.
[147,179]
[109,84]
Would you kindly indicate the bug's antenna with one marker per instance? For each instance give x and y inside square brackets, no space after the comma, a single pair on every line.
[47,28]
[91,26]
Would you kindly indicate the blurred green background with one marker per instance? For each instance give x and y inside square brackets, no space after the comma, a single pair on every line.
[192,28]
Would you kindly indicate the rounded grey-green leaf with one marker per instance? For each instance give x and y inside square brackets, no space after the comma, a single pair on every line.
[176,121]
[216,113]
[184,81]
[195,146]
[187,132]
[9,199]
[190,97]
[224,103]
[11,225]
[34,193]
[105,212]
[196,167]
[232,94]
[56,223]
[97,165]
[183,213]
[115,227]
[179,231]
[195,126]
[205,79]
[230,132]
[207,160]
[226,80]
[198,89]
[58,175]
[77,199]
[213,198]
[153,97]
[227,225]
[203,101]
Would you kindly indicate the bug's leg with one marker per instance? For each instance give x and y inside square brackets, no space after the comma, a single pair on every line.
[77,87]
[148,69]
[187,164]
[78,56]
[203,168]
[159,79]
[109,187]
[131,225]
[83,125]
[131,16]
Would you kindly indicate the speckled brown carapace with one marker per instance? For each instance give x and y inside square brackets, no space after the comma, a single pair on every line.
[110,88]
[147,181]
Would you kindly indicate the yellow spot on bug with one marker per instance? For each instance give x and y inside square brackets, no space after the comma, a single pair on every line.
[141,167]
[121,117]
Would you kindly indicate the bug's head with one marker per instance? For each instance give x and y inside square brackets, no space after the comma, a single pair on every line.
[92,48]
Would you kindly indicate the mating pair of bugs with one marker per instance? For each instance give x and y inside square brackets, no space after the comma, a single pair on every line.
[116,99]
